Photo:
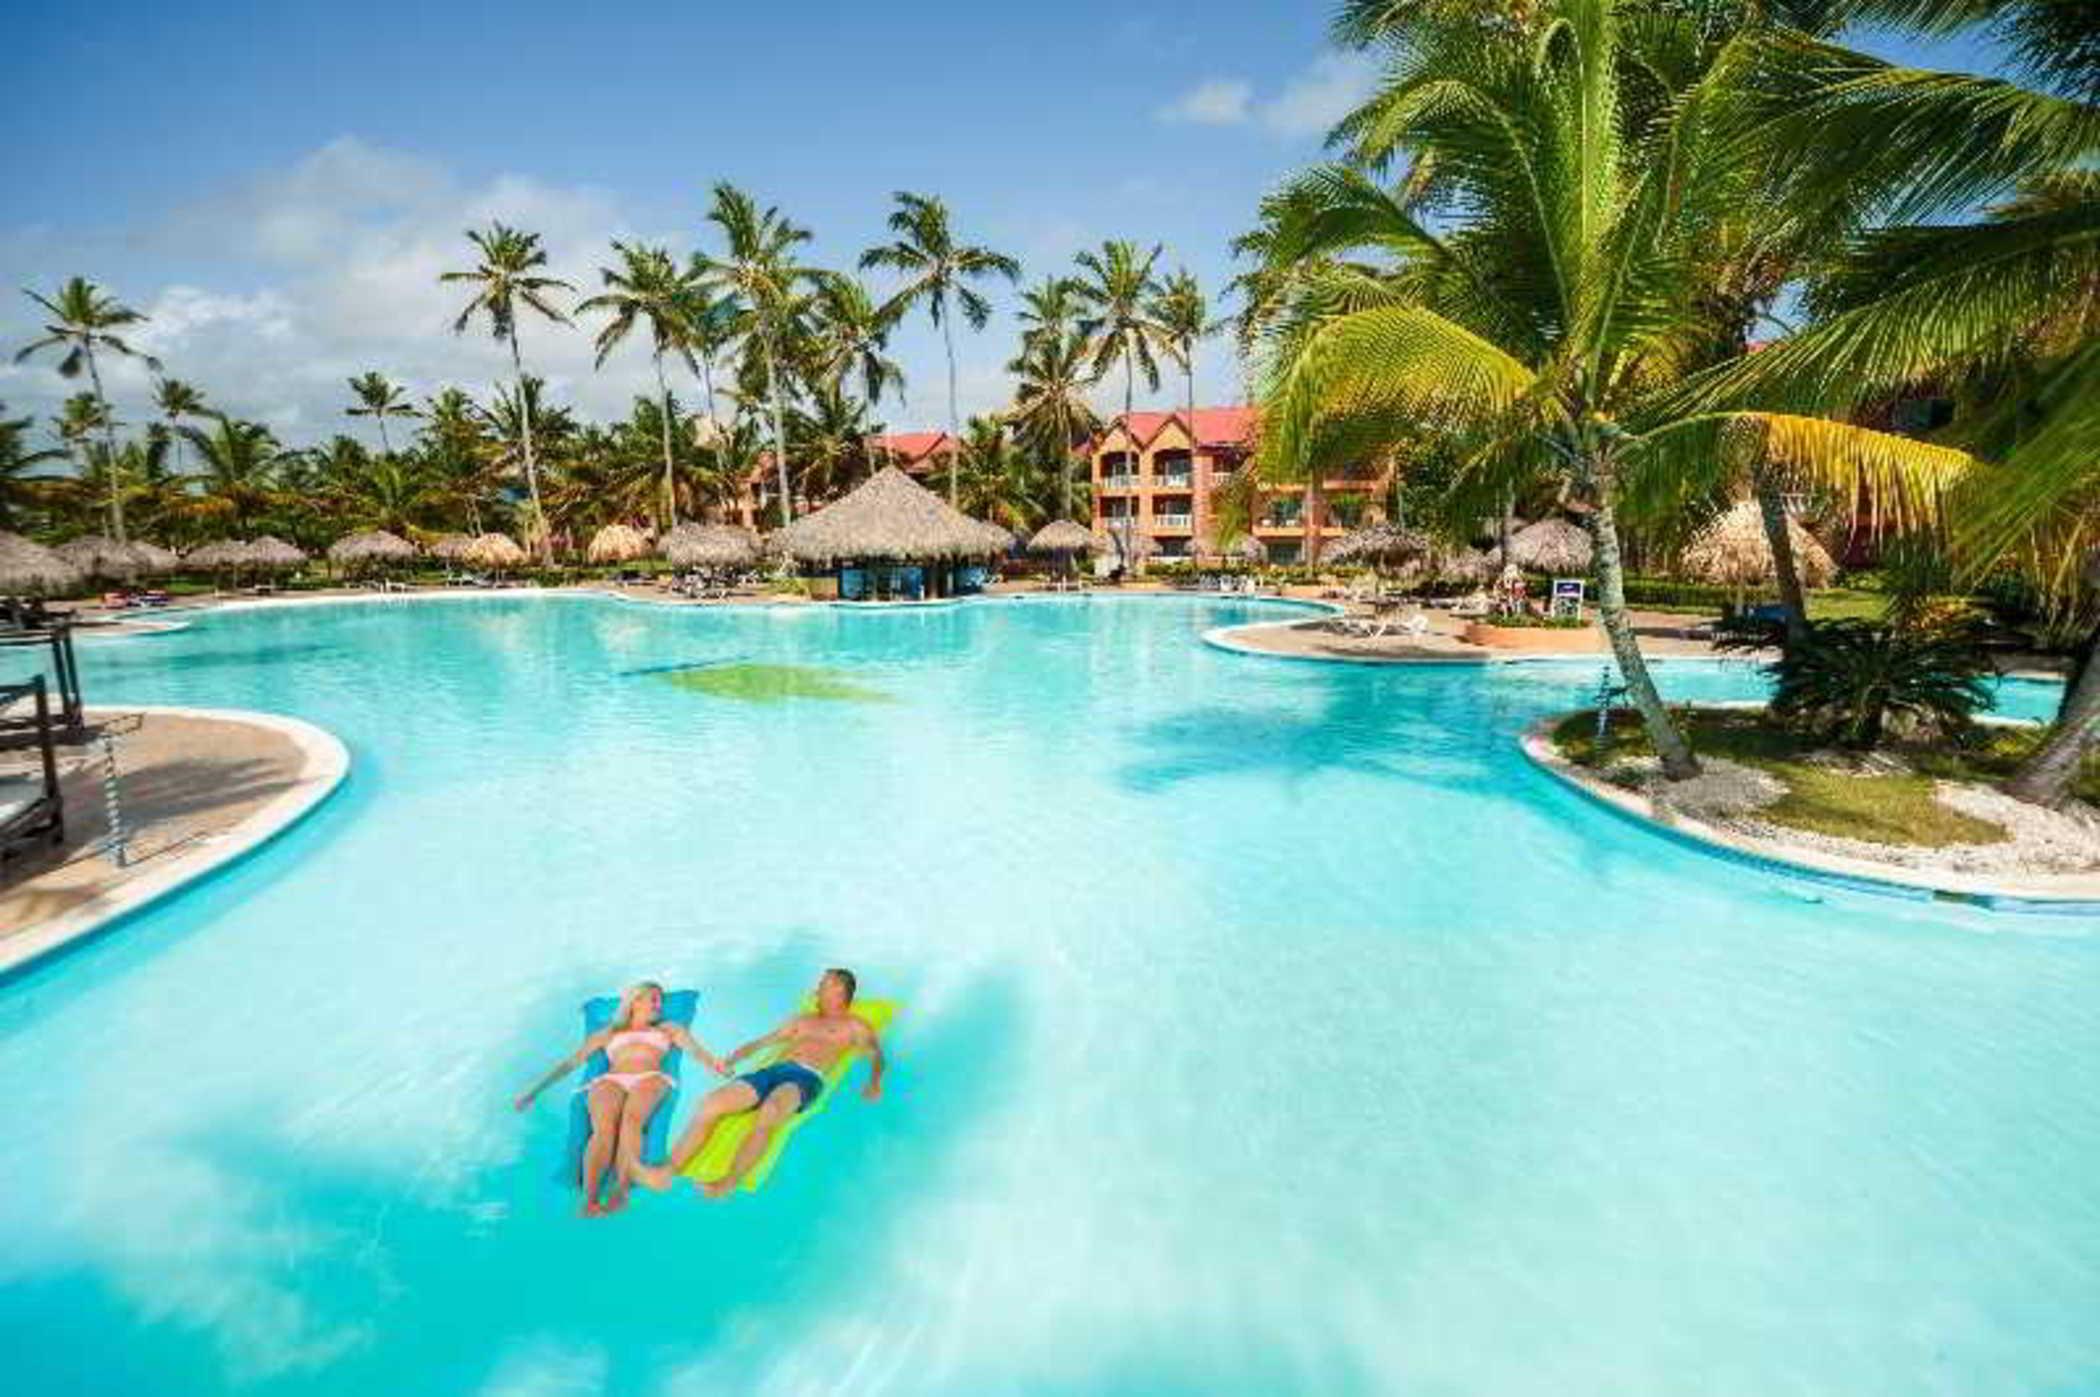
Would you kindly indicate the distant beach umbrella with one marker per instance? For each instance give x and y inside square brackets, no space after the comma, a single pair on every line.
[1062,536]
[1130,546]
[222,556]
[711,546]
[154,559]
[97,556]
[274,554]
[450,547]
[30,569]
[1551,545]
[371,546]
[494,551]
[1380,545]
[998,538]
[1733,552]
[1464,565]
[617,543]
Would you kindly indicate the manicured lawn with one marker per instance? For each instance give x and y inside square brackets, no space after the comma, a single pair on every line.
[1892,808]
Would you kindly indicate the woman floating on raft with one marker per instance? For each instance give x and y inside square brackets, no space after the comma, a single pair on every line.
[622,1098]
[806,1047]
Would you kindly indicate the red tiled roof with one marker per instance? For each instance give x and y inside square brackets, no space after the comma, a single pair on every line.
[1215,426]
[913,447]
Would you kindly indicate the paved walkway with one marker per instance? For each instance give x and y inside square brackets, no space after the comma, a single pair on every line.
[1661,635]
[185,784]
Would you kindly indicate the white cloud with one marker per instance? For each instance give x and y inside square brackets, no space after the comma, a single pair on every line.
[1213,102]
[1323,94]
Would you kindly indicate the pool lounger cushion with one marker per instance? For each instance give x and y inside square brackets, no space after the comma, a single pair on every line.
[597,1013]
[714,1161]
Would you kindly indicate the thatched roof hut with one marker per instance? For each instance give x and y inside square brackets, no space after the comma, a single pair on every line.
[1127,545]
[371,546]
[1061,536]
[95,555]
[450,547]
[269,551]
[1001,538]
[888,517]
[1551,545]
[495,551]
[221,556]
[1379,545]
[30,569]
[1733,551]
[617,543]
[1465,565]
[711,546]
[153,558]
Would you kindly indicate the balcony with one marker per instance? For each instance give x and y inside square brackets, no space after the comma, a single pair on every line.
[1174,523]
[1119,482]
[1177,480]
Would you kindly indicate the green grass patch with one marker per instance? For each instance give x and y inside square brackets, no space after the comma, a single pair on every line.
[774,684]
[1896,808]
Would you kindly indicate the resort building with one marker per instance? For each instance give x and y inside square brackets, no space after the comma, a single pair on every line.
[920,455]
[1154,474]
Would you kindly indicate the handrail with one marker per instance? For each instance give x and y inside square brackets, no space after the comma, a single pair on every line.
[44,817]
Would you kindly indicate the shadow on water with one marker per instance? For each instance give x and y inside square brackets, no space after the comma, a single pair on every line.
[519,1278]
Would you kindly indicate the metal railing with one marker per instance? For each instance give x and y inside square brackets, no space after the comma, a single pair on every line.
[42,818]
[64,679]
[1119,482]
[1173,521]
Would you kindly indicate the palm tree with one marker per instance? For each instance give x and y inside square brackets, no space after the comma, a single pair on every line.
[17,459]
[853,339]
[82,317]
[649,285]
[240,461]
[999,483]
[711,327]
[454,441]
[759,270]
[1050,309]
[1050,404]
[1117,293]
[1183,317]
[832,442]
[937,267]
[504,279]
[379,400]
[1545,330]
[178,402]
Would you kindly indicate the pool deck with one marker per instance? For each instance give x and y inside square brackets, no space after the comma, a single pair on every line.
[198,788]
[1315,638]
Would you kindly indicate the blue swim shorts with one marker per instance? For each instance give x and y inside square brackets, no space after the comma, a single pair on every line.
[792,1074]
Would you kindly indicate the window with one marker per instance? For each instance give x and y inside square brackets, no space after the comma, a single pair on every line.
[1347,510]
[1283,513]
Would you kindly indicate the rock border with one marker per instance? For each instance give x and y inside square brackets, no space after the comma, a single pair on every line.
[2057,894]
[324,765]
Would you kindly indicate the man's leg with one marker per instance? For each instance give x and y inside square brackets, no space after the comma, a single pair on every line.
[716,1106]
[780,1103]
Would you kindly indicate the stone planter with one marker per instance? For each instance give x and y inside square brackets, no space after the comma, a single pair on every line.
[1587,640]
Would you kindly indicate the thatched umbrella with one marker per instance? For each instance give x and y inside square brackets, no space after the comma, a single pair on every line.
[97,556]
[617,543]
[375,546]
[30,569]
[1552,546]
[1062,536]
[154,559]
[888,517]
[1380,545]
[711,546]
[450,547]
[274,553]
[493,551]
[1000,538]
[1733,552]
[226,555]
[1128,545]
[1473,565]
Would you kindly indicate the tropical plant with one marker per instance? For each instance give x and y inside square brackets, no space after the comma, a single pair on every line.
[937,268]
[379,399]
[649,285]
[1183,317]
[1541,331]
[240,461]
[1850,680]
[999,482]
[831,440]
[1117,291]
[1050,407]
[758,269]
[852,339]
[18,495]
[506,277]
[81,318]
[1050,310]
[178,402]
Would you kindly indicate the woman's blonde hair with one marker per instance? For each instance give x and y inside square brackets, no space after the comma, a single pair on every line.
[622,1015]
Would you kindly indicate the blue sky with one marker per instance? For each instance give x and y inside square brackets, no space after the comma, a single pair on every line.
[278,184]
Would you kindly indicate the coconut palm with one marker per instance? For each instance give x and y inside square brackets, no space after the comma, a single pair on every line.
[1117,291]
[454,441]
[17,460]
[1000,483]
[831,437]
[378,399]
[240,461]
[758,268]
[505,278]
[1050,309]
[649,285]
[81,318]
[1545,328]
[1183,317]
[937,269]
[1050,407]
[177,402]
[853,337]
[711,327]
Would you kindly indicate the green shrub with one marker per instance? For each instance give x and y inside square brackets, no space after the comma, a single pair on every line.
[1849,680]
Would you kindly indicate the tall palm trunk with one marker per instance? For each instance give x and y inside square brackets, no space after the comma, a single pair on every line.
[2045,778]
[670,478]
[109,449]
[1678,763]
[780,457]
[532,470]
[1771,506]
[386,446]
[1129,460]
[954,420]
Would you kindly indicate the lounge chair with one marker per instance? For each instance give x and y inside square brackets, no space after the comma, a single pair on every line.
[1473,605]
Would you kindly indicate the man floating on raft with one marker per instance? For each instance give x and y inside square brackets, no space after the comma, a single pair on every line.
[807,1049]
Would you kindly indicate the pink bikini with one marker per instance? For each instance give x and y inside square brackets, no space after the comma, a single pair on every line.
[627,1081]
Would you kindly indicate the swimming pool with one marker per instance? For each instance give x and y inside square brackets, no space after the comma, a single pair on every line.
[1269,1027]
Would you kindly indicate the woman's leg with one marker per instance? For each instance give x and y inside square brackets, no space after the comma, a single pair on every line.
[634,1125]
[604,1102]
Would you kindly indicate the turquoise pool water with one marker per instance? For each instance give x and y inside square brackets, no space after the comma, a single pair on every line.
[1270,1027]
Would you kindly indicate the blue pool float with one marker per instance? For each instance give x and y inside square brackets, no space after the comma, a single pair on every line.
[597,1013]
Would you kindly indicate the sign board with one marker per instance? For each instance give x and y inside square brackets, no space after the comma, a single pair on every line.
[1567,597]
